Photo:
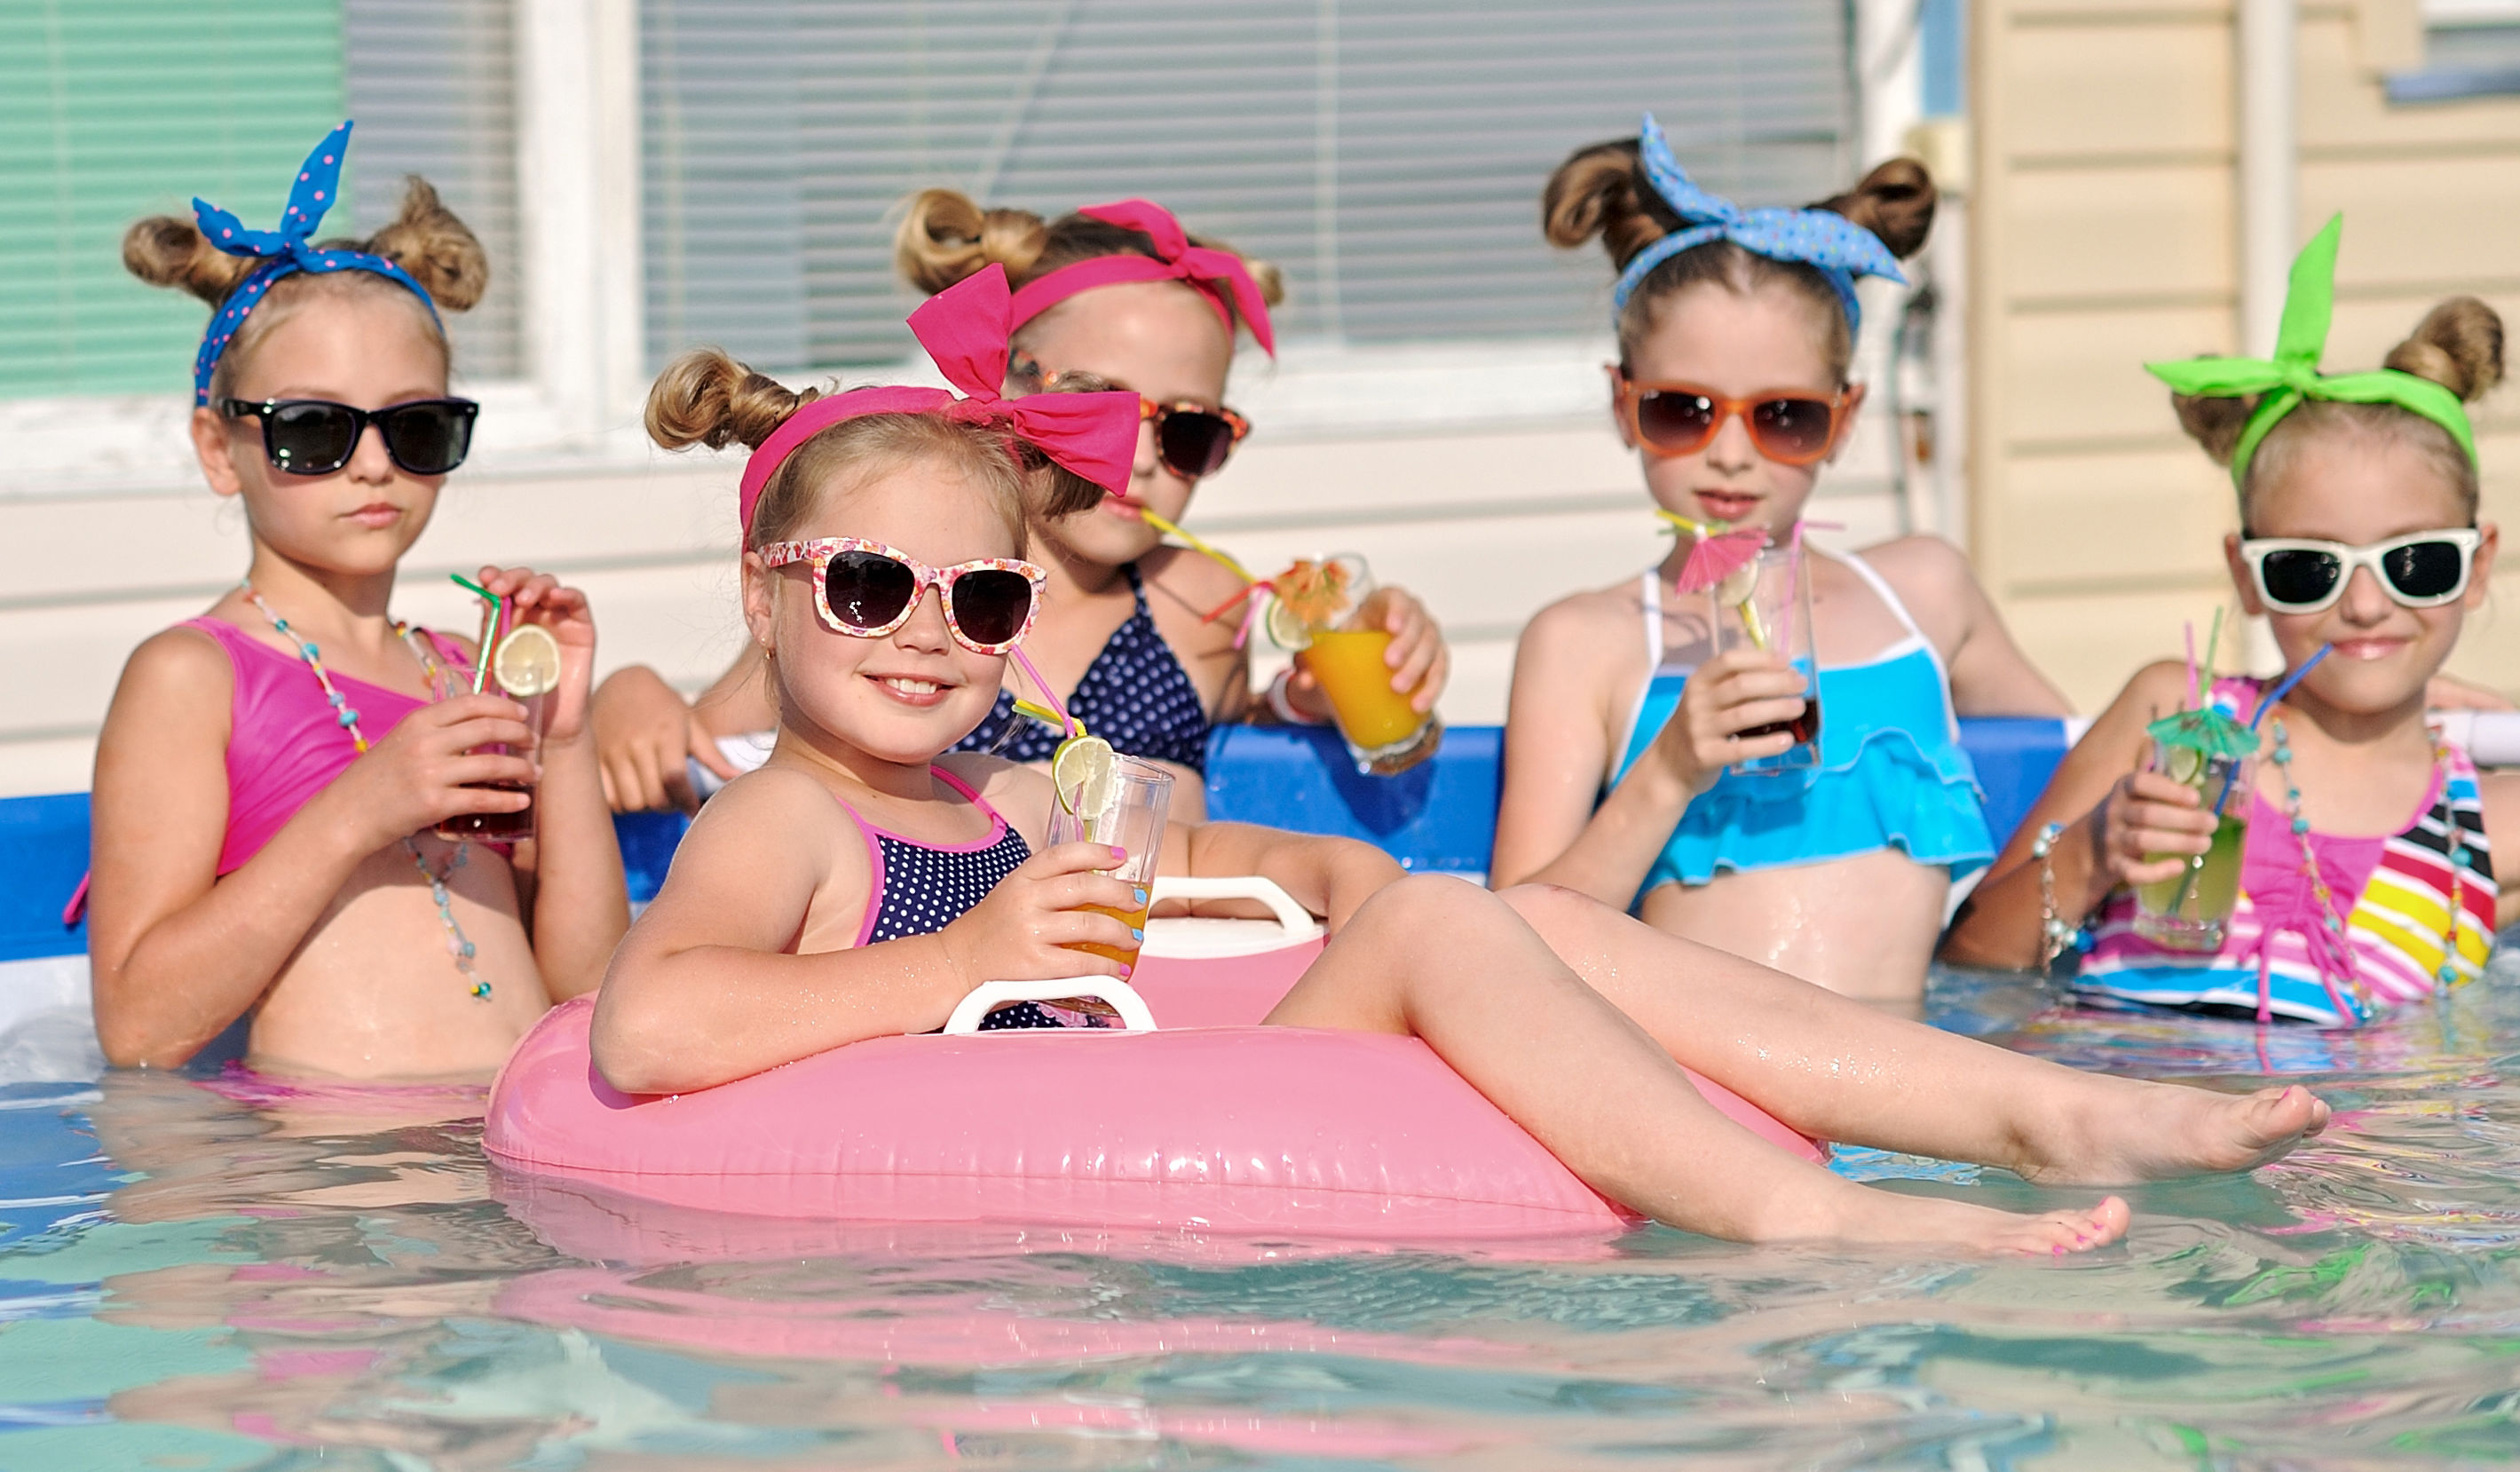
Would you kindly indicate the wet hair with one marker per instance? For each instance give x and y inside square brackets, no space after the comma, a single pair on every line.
[945,236]
[425,238]
[2459,346]
[707,397]
[1601,191]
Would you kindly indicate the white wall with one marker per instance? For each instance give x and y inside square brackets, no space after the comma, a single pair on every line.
[1486,480]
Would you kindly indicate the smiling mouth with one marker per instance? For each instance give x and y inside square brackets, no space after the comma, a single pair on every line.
[911,689]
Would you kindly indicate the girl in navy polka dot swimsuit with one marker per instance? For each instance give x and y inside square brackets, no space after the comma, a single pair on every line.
[866,880]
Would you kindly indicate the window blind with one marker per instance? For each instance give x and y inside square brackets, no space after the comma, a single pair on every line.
[433,85]
[1387,154]
[112,112]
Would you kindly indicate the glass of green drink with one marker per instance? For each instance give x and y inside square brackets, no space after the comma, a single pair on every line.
[2189,910]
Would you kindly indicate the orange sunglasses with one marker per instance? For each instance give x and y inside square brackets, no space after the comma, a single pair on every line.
[1789,426]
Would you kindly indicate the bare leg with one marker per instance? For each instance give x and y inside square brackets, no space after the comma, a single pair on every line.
[1839,1070]
[1602,1093]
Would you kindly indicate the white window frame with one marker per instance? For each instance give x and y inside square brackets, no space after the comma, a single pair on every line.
[580,292]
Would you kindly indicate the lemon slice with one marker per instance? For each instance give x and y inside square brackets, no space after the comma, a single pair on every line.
[1736,588]
[527,663]
[1286,629]
[2184,763]
[1084,773]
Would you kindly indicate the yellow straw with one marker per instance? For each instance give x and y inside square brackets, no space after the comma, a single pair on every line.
[1198,545]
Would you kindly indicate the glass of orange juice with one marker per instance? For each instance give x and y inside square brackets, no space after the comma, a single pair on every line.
[1319,613]
[1129,814]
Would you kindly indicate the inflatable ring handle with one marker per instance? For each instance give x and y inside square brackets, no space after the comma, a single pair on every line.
[989,997]
[1294,918]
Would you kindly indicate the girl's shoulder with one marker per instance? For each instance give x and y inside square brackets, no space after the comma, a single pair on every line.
[1603,625]
[1933,577]
[182,664]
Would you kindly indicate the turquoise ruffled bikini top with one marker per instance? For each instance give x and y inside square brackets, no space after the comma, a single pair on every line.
[1891,771]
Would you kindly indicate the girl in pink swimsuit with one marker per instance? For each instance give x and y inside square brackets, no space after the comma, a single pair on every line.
[2367,876]
[268,773]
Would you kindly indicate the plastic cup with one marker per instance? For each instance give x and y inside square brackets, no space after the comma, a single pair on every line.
[1766,605]
[1141,800]
[1384,733]
[451,681]
[2189,910]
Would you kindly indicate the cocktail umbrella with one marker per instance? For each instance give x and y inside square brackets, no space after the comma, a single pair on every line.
[1717,553]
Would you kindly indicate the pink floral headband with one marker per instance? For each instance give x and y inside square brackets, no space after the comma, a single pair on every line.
[1218,275]
[965,329]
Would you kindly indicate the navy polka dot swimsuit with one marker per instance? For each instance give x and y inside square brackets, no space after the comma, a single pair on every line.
[920,889]
[1135,695]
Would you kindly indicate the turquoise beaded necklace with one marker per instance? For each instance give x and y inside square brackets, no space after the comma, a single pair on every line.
[2446,974]
[459,945]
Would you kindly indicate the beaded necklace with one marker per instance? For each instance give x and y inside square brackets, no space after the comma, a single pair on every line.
[458,947]
[2446,974]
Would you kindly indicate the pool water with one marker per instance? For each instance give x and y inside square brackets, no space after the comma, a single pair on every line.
[199,1277]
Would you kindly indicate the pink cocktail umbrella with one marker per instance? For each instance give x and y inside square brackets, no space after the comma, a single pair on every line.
[1717,553]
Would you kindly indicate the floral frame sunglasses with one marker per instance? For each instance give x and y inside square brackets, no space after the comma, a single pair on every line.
[868,589]
[2298,575]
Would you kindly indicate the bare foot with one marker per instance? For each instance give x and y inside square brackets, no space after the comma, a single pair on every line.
[1866,1215]
[2169,1129]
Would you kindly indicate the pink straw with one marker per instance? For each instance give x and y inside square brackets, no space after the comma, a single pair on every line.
[1066,723]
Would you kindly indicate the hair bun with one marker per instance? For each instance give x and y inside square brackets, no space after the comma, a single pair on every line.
[707,397]
[2459,346]
[164,249]
[2215,423]
[433,247]
[1600,191]
[945,236]
[1895,201]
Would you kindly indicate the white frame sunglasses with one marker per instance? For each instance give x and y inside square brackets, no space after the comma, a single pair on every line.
[2255,551]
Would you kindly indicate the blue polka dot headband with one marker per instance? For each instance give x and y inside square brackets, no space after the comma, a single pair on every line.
[285,252]
[1839,247]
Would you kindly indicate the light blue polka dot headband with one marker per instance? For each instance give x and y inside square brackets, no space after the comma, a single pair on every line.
[287,250]
[1840,249]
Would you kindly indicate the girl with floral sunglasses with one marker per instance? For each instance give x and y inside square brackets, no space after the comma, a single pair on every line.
[1112,297]
[1624,737]
[2366,872]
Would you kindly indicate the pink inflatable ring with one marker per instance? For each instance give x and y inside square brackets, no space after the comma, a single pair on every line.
[1241,1130]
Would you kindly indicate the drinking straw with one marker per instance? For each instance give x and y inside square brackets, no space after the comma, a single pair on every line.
[498,607]
[2273,698]
[2280,691]
[2213,651]
[2187,631]
[1196,545]
[1067,725]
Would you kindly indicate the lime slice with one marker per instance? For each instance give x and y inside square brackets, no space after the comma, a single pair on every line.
[2183,764]
[1737,589]
[1286,629]
[527,663]
[1084,773]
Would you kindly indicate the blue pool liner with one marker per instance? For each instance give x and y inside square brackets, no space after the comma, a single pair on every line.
[1437,817]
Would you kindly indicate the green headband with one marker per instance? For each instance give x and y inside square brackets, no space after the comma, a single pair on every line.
[2293,376]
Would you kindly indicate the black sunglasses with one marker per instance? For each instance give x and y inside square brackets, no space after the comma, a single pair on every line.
[316,437]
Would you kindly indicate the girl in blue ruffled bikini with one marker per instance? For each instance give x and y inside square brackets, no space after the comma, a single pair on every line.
[1736,332]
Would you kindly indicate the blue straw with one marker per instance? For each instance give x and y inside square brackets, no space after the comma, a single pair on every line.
[2274,698]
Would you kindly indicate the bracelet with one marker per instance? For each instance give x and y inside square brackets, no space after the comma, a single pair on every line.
[1285,708]
[2054,934]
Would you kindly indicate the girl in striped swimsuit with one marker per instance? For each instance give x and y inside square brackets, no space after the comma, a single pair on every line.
[2367,873]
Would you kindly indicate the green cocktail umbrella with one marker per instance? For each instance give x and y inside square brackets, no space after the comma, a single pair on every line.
[2209,733]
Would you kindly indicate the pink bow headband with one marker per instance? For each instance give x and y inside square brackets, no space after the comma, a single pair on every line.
[965,330]
[1216,274]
